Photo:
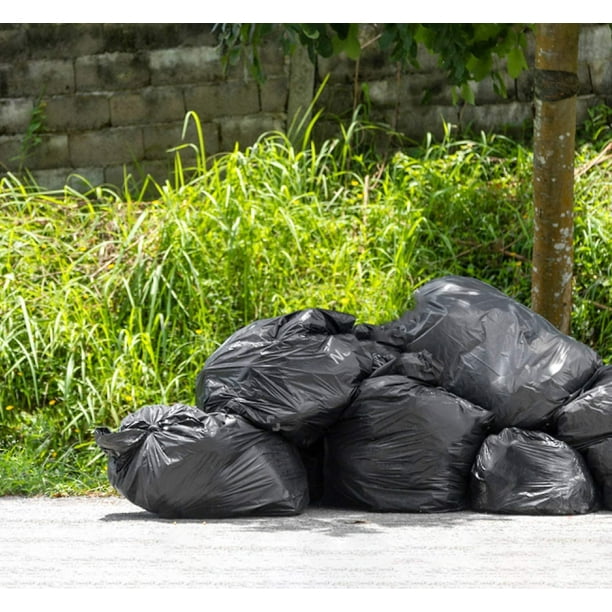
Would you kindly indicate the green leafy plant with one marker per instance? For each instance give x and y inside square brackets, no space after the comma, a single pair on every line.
[243,41]
[466,52]
[597,128]
[109,302]
[32,138]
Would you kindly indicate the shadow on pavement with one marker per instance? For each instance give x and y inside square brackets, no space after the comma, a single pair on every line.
[329,521]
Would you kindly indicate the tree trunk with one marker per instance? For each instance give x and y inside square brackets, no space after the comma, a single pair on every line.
[556,86]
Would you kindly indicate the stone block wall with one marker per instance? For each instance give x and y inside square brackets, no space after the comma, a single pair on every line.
[113,97]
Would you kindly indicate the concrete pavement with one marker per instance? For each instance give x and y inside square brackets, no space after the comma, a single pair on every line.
[109,542]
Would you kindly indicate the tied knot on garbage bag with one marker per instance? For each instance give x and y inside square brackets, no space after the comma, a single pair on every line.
[468,401]
[203,465]
[292,374]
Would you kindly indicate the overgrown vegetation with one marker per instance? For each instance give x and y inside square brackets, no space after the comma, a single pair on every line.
[109,302]
[465,51]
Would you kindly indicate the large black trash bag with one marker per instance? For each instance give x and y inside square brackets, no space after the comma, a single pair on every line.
[496,352]
[587,418]
[292,374]
[530,472]
[404,445]
[599,459]
[179,462]
[585,423]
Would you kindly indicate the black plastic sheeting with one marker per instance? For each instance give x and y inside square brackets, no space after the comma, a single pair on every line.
[599,459]
[587,418]
[495,352]
[292,374]
[531,472]
[585,423]
[404,445]
[470,400]
[178,462]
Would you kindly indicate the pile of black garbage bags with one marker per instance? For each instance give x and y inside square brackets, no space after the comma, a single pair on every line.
[470,401]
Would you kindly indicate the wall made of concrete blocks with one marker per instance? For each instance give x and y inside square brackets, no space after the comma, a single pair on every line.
[120,100]
[117,97]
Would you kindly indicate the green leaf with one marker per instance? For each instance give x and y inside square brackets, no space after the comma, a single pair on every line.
[498,84]
[341,29]
[309,30]
[324,46]
[386,38]
[486,31]
[516,62]
[425,36]
[349,45]
[480,67]
[467,94]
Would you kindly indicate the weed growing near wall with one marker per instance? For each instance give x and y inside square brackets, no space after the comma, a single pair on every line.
[109,302]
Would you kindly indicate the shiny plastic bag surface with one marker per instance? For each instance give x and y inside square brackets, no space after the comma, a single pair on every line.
[404,446]
[530,472]
[179,462]
[496,352]
[587,418]
[292,374]
[599,459]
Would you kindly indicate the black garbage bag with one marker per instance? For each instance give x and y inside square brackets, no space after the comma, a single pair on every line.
[292,374]
[384,345]
[599,459]
[496,352]
[587,418]
[179,462]
[404,446]
[530,472]
[313,458]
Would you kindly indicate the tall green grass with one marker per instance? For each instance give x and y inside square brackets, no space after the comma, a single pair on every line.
[109,302]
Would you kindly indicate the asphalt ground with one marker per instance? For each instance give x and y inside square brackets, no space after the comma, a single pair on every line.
[109,543]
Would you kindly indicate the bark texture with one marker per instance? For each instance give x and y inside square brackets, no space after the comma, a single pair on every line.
[556,86]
